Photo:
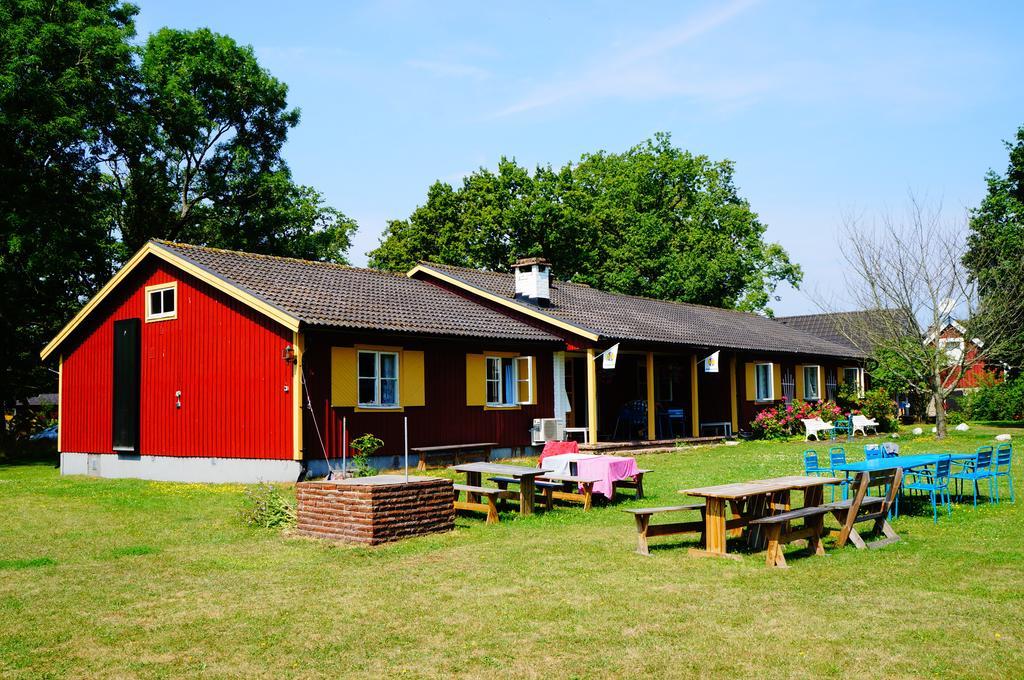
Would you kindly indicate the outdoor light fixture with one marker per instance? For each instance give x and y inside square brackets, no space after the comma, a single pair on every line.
[288,354]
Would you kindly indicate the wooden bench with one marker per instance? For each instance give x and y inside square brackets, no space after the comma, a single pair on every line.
[472,493]
[459,452]
[645,529]
[778,534]
[636,482]
[557,487]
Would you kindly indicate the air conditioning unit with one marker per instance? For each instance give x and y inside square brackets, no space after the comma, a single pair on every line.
[547,429]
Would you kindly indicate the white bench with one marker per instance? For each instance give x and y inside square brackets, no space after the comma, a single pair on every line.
[862,423]
[815,427]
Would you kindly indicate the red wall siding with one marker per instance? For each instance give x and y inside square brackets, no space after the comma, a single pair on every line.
[224,357]
[445,419]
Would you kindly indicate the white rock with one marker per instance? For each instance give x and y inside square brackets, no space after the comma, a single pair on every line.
[1003,437]
[731,442]
[962,427]
[917,430]
[895,435]
[935,429]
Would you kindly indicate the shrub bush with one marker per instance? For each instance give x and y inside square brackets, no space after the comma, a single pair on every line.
[266,507]
[878,405]
[365,446]
[784,420]
[994,400]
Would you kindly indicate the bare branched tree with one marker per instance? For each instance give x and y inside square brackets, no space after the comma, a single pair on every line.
[909,275]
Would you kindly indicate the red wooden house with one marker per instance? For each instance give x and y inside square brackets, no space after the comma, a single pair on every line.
[195,363]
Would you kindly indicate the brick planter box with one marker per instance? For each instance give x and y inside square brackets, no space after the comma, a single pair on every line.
[373,510]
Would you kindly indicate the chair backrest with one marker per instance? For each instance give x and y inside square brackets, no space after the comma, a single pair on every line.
[873,451]
[984,458]
[837,454]
[942,470]
[891,450]
[1004,456]
[810,460]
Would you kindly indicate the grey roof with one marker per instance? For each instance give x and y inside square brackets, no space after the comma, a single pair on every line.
[842,328]
[338,296]
[626,317]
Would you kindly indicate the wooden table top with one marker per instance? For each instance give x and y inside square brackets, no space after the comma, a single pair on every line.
[759,487]
[500,469]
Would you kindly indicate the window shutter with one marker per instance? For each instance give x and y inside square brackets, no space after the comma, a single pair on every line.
[822,389]
[410,379]
[799,382]
[344,379]
[526,388]
[476,380]
[751,392]
[777,380]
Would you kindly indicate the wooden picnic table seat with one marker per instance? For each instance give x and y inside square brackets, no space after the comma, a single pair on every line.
[459,452]
[778,535]
[490,507]
[636,482]
[863,508]
[645,529]
[556,487]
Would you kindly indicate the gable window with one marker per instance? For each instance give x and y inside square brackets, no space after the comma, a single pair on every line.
[162,302]
[812,383]
[764,382]
[378,379]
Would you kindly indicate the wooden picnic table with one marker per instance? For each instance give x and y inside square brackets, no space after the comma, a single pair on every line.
[749,501]
[525,474]
[458,451]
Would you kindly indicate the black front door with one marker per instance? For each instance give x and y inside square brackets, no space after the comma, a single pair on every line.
[127,366]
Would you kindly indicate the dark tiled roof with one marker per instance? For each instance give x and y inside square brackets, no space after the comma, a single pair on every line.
[332,295]
[627,317]
[842,328]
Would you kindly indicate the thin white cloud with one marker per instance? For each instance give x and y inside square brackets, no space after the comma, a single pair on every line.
[636,71]
[449,69]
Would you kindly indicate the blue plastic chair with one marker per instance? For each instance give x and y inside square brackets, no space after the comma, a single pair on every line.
[811,467]
[976,470]
[1004,457]
[873,452]
[936,484]
[837,456]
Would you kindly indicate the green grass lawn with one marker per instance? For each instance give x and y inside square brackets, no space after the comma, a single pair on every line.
[125,578]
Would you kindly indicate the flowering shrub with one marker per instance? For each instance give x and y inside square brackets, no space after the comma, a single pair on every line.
[784,420]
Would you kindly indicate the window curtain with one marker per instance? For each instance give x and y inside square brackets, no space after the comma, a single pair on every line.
[508,367]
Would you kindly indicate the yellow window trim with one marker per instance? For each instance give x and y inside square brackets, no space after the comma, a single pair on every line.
[505,302]
[153,248]
[382,409]
[173,285]
[511,407]
[366,408]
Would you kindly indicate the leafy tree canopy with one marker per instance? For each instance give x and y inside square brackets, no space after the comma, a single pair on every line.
[656,221]
[105,144]
[995,248]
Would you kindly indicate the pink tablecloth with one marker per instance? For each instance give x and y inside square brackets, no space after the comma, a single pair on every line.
[556,448]
[607,469]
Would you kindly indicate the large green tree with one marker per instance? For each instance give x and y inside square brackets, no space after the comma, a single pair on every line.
[59,64]
[198,155]
[995,249]
[105,144]
[655,220]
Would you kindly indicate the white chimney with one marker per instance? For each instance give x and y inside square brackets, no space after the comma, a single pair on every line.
[533,281]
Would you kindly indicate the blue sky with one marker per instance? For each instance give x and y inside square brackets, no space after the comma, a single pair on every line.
[828,109]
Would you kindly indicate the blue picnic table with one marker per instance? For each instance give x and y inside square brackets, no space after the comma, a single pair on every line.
[905,462]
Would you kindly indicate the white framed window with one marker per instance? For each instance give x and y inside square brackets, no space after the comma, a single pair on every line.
[162,301]
[764,381]
[378,379]
[812,383]
[509,381]
[854,376]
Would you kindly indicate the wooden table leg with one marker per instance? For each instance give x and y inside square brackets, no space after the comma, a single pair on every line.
[737,511]
[422,465]
[588,495]
[757,506]
[526,495]
[714,531]
[473,479]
